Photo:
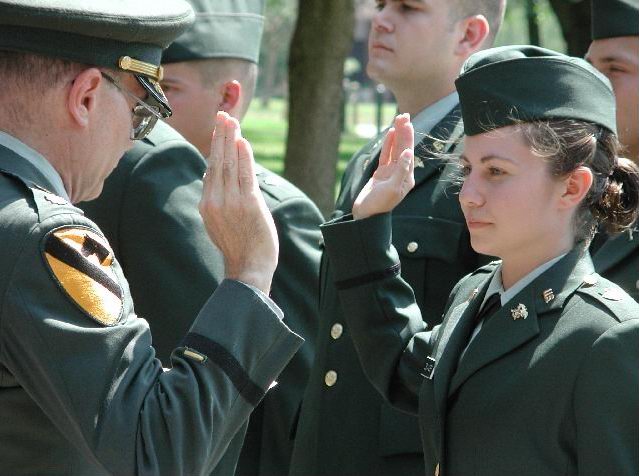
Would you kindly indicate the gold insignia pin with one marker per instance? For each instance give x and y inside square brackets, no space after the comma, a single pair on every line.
[366,163]
[590,280]
[438,146]
[612,294]
[473,294]
[519,312]
[419,163]
[548,295]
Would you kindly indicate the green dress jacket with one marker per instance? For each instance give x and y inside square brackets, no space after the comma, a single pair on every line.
[618,261]
[345,427]
[80,390]
[547,387]
[149,212]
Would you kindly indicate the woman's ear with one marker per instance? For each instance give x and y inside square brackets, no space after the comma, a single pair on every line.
[82,96]
[576,186]
[475,30]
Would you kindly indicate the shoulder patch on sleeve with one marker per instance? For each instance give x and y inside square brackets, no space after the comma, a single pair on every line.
[80,261]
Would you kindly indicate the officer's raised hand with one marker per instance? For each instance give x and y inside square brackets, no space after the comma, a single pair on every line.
[393,178]
[233,209]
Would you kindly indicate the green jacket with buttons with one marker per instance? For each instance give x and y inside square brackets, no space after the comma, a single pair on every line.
[80,390]
[548,386]
[345,427]
[149,212]
[618,261]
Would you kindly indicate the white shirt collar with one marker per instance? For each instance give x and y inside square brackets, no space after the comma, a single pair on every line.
[429,117]
[496,284]
[37,160]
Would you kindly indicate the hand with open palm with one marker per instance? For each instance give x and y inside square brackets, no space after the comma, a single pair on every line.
[393,178]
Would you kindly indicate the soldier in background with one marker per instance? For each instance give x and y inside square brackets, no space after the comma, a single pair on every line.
[615,52]
[148,211]
[80,390]
[416,49]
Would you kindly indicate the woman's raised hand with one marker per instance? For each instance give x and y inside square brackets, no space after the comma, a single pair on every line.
[393,178]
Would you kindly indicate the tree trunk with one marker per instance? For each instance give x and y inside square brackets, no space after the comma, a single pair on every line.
[574,18]
[321,42]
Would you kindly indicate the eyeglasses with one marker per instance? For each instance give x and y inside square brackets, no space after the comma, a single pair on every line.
[145,116]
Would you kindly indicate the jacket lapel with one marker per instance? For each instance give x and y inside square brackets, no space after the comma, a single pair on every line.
[439,141]
[615,249]
[517,322]
[454,336]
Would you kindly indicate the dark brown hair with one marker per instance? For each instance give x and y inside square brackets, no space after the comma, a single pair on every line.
[613,199]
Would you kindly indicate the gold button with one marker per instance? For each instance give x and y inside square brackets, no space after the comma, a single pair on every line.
[336,331]
[412,247]
[330,378]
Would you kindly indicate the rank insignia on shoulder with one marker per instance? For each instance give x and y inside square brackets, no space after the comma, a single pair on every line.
[612,294]
[80,261]
[429,368]
[55,199]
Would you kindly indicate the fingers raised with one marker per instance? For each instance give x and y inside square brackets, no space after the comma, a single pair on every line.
[246,170]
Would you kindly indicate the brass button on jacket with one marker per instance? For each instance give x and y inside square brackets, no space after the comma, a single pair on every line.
[330,378]
[337,330]
[412,247]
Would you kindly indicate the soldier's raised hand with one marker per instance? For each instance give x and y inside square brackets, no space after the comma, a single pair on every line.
[393,178]
[233,209]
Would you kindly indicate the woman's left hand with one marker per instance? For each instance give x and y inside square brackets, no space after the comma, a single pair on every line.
[393,178]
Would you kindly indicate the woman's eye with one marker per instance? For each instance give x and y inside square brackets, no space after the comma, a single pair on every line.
[379,5]
[464,170]
[495,172]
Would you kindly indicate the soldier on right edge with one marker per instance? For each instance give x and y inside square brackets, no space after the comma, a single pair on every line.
[615,52]
[416,49]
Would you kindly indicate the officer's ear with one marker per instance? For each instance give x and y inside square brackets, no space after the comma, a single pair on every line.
[82,96]
[231,94]
[575,187]
[474,31]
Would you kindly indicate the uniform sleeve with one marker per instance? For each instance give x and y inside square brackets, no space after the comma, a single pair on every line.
[607,404]
[390,336]
[163,247]
[101,385]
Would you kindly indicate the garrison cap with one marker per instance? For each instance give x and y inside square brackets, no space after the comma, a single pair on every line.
[222,29]
[611,18]
[119,34]
[510,84]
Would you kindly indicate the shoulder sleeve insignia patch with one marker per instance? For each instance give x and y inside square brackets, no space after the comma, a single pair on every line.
[81,261]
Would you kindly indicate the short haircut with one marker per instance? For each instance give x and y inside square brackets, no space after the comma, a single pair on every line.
[493,10]
[24,69]
[217,71]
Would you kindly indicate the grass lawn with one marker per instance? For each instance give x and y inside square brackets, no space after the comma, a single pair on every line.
[266,130]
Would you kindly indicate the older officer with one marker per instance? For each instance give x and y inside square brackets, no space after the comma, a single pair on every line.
[416,49]
[81,392]
[615,52]
[148,211]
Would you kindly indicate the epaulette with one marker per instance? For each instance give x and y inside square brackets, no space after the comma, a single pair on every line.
[276,187]
[615,299]
[47,203]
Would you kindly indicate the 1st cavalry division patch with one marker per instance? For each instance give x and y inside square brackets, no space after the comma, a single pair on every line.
[81,263]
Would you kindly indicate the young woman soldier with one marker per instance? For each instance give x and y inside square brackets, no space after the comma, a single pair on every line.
[534,369]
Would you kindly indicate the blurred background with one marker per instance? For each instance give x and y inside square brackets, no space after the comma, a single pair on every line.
[314,105]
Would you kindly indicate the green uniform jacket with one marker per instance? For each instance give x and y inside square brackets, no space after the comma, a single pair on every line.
[149,212]
[547,387]
[80,390]
[345,428]
[618,261]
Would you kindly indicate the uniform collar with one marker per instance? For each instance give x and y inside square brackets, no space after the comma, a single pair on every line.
[37,160]
[429,117]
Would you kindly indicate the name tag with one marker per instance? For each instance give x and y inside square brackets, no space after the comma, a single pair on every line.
[429,368]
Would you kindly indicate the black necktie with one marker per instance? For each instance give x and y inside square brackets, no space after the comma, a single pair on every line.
[491,306]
